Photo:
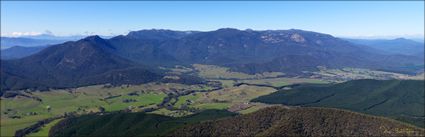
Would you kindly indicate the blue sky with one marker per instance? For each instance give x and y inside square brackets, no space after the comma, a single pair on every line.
[343,18]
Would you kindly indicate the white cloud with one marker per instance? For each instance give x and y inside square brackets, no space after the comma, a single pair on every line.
[19,34]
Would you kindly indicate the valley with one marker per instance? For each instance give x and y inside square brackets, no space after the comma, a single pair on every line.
[183,78]
[212,68]
[226,90]
[22,108]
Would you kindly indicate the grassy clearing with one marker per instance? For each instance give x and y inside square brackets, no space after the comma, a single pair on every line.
[239,94]
[188,98]
[178,69]
[345,74]
[277,82]
[217,72]
[9,126]
[227,83]
[212,105]
[172,113]
[44,131]
[146,99]
[225,98]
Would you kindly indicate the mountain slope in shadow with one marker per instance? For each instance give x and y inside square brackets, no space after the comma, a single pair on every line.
[71,64]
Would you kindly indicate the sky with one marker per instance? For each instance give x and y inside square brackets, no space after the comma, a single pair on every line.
[338,18]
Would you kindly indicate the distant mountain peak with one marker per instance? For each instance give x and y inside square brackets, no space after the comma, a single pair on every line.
[228,30]
[296,30]
[401,39]
[158,34]
[94,41]
[92,38]
[148,30]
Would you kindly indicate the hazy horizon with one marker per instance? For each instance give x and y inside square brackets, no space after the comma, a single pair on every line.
[49,33]
[180,68]
[341,19]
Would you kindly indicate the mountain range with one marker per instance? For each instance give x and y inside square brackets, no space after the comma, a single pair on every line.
[17,52]
[94,60]
[28,44]
[394,46]
[254,51]
[8,42]
[38,40]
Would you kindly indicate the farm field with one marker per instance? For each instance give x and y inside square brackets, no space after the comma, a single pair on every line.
[217,72]
[278,82]
[345,74]
[20,112]
[234,99]
[228,78]
[44,131]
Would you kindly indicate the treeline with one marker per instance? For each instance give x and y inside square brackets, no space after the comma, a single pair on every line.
[129,124]
[279,121]
[399,99]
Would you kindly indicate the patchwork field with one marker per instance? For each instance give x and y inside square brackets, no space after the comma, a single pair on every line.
[235,99]
[345,74]
[278,82]
[229,78]
[20,112]
[217,72]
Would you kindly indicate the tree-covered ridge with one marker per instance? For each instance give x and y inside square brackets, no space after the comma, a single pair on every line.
[129,124]
[399,99]
[279,121]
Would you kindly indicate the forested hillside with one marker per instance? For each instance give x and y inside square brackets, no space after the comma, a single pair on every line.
[279,121]
[399,99]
